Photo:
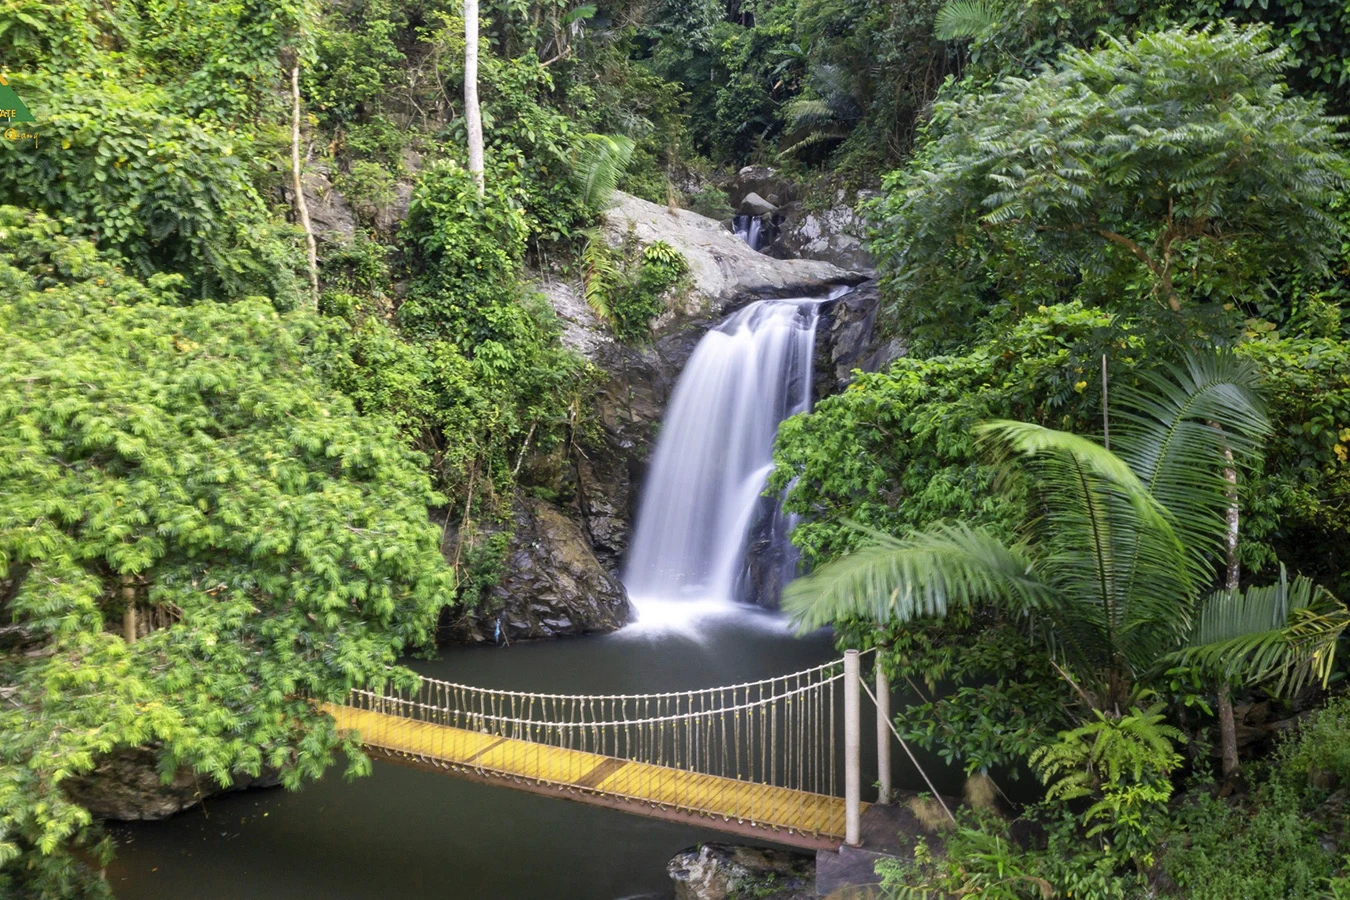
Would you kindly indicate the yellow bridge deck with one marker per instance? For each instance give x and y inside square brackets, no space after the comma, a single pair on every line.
[778,814]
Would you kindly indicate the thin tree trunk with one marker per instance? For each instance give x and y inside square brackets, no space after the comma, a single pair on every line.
[1227,733]
[129,614]
[1106,407]
[1232,581]
[297,185]
[472,120]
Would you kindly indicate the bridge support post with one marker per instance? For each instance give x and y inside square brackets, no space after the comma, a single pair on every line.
[883,734]
[852,749]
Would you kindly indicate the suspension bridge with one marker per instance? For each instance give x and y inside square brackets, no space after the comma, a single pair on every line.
[776,759]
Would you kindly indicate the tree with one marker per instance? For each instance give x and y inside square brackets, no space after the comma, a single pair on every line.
[1173,170]
[182,460]
[473,121]
[1121,547]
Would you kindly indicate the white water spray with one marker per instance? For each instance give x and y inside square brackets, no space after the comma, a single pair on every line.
[713,458]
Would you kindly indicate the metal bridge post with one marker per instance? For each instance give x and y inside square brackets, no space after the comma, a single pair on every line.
[852,750]
[883,734]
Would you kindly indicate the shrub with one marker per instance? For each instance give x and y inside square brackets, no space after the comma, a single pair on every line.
[184,459]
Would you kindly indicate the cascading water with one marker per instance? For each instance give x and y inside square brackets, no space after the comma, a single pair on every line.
[748,229]
[702,492]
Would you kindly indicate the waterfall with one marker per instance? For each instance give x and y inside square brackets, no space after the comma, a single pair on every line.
[748,228]
[702,493]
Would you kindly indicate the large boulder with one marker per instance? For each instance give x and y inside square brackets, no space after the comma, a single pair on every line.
[767,182]
[833,234]
[732,872]
[755,205]
[724,273]
[552,585]
[126,785]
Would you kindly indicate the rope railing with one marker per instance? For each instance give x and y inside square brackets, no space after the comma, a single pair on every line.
[782,734]
[778,731]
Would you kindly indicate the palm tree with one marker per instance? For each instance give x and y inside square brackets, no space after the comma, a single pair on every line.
[1110,570]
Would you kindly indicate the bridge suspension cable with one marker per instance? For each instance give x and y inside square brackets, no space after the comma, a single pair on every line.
[777,731]
[756,755]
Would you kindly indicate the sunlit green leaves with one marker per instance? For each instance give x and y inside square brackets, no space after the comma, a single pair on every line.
[190,455]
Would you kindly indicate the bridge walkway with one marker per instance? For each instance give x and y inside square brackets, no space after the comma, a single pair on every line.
[783,815]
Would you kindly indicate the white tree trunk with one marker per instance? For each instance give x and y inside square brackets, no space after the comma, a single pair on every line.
[472,120]
[298,186]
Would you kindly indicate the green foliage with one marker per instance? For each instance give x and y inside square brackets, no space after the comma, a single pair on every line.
[222,59]
[1174,170]
[876,66]
[1124,764]
[1281,841]
[469,254]
[627,287]
[357,58]
[729,71]
[475,371]
[215,60]
[1317,33]
[1318,757]
[1269,851]
[711,202]
[983,858]
[896,451]
[187,455]
[369,187]
[1284,633]
[992,698]
[600,163]
[960,19]
[1297,507]
[1111,566]
[163,190]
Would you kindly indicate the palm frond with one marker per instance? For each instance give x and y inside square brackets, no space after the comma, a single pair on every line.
[1106,545]
[1184,429]
[808,111]
[964,19]
[921,575]
[1285,632]
[599,161]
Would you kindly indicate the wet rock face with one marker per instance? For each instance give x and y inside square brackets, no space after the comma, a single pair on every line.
[770,559]
[125,785]
[847,340]
[330,215]
[834,235]
[731,872]
[552,585]
[630,401]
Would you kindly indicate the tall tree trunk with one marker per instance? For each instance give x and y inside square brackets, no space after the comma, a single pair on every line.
[472,120]
[297,185]
[1232,581]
